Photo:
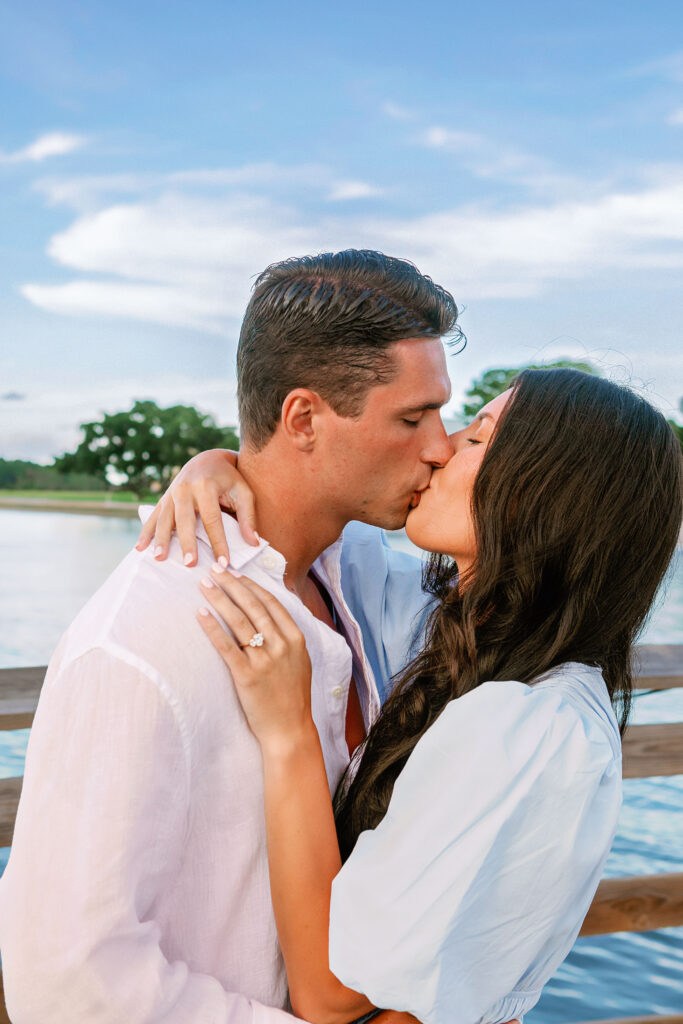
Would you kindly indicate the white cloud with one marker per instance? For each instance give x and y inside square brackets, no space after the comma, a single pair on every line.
[174,260]
[342,190]
[194,308]
[438,137]
[187,260]
[52,144]
[397,112]
[252,176]
[90,192]
[669,67]
[676,117]
[488,158]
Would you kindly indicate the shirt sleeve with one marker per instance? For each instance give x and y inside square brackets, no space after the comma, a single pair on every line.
[485,864]
[383,589]
[99,832]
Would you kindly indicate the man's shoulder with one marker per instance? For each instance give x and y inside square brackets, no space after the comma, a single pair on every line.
[146,610]
[143,590]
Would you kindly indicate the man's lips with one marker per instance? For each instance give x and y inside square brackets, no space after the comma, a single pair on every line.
[415,500]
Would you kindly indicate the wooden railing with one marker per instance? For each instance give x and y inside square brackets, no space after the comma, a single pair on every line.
[641,903]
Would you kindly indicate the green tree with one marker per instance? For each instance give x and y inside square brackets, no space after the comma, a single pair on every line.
[143,447]
[22,475]
[494,382]
[677,428]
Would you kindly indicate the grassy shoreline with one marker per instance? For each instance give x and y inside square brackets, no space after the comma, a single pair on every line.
[100,503]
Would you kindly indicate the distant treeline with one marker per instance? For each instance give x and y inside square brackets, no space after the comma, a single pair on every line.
[143,447]
[20,475]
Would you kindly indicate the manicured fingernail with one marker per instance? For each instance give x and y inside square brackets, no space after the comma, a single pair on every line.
[217,567]
[187,558]
[223,561]
[204,612]
[235,573]
[206,582]
[158,551]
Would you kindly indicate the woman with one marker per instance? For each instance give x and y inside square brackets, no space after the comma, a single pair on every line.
[482,805]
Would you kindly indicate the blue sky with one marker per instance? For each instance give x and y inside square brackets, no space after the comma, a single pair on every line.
[154,157]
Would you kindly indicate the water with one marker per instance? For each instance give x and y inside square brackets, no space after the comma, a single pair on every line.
[52,562]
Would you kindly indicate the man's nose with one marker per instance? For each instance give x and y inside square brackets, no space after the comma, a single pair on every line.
[440,450]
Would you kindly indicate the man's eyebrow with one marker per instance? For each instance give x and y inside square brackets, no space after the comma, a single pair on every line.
[423,407]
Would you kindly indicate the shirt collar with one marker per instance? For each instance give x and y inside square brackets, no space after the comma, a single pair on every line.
[328,565]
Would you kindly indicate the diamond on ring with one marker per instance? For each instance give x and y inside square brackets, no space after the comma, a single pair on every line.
[256,641]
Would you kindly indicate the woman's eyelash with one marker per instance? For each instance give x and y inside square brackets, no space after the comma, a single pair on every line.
[411,423]
[473,440]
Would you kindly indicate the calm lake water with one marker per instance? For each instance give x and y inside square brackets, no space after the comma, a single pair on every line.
[52,563]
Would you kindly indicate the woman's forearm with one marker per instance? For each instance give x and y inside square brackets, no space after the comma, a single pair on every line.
[303,857]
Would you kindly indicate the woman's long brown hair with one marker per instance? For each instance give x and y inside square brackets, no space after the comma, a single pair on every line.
[577,511]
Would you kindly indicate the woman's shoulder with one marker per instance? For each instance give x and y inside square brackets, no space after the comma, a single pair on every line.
[564,716]
[582,688]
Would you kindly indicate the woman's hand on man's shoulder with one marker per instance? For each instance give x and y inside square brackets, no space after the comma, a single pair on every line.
[207,484]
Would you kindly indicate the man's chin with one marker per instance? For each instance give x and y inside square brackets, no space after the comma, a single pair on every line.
[390,520]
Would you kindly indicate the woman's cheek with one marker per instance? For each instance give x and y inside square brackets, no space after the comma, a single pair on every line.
[456,502]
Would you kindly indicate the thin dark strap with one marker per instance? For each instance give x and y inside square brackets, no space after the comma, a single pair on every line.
[329,603]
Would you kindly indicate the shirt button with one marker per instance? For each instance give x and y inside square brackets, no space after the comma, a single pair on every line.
[337,691]
[270,560]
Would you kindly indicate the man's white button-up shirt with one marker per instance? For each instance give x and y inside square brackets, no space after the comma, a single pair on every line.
[137,888]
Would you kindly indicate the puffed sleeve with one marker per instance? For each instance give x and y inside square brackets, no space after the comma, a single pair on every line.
[470,892]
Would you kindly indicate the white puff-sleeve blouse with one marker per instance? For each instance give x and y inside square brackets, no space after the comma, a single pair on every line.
[468,895]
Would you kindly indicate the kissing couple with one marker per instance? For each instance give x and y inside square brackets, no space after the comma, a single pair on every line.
[296,775]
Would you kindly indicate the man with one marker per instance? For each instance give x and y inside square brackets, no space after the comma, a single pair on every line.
[137,889]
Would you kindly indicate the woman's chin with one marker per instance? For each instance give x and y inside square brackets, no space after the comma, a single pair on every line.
[416,533]
[422,532]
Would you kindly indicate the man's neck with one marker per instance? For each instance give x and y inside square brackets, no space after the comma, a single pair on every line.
[290,513]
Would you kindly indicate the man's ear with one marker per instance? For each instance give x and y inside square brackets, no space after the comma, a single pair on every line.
[300,417]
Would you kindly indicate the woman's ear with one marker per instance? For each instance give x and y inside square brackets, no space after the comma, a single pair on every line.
[299,419]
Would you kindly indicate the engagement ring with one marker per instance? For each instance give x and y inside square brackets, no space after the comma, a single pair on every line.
[256,641]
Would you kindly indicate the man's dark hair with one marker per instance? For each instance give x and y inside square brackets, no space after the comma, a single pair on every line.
[325,322]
